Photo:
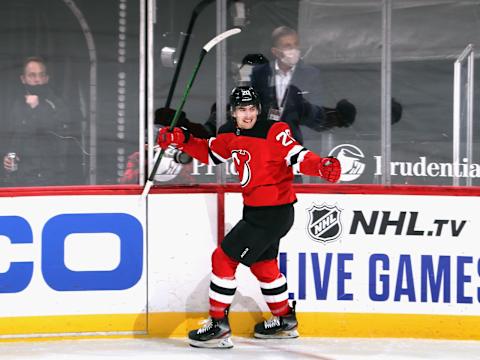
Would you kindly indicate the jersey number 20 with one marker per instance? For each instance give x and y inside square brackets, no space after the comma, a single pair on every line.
[285,137]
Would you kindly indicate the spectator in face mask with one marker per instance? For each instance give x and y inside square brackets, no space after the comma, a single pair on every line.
[39,133]
[290,90]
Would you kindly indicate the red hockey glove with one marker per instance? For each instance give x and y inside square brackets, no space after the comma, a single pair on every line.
[177,136]
[330,169]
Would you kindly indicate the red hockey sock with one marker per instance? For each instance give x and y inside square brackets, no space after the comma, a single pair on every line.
[273,285]
[222,283]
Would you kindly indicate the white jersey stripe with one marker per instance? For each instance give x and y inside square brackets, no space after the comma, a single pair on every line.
[215,158]
[296,155]
[296,166]
[293,151]
[302,156]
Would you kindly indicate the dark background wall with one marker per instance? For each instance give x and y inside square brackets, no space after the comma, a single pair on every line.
[345,46]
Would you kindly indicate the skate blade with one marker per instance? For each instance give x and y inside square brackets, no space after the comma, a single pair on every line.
[223,343]
[287,334]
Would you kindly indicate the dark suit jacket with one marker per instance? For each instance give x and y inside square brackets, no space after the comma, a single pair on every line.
[303,105]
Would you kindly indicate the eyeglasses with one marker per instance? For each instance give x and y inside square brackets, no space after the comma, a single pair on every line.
[33,76]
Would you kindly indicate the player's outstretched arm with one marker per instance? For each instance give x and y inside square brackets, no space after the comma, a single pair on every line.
[211,151]
[296,155]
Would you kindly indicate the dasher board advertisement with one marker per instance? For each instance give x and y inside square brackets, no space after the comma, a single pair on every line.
[72,264]
[381,253]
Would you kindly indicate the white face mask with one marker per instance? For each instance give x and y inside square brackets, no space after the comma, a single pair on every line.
[290,57]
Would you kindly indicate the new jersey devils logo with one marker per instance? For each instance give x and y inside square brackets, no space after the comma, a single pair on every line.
[241,159]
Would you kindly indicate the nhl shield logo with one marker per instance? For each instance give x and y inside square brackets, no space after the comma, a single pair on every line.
[324,223]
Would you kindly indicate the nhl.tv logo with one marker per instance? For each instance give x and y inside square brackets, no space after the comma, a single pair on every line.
[324,223]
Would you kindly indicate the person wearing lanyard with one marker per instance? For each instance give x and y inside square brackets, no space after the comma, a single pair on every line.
[290,90]
[282,80]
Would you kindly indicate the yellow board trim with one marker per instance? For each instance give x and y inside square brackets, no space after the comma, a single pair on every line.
[25,325]
[333,325]
[311,324]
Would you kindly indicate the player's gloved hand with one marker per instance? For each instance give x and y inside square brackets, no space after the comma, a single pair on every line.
[397,110]
[343,115]
[329,169]
[178,137]
[164,116]
[346,113]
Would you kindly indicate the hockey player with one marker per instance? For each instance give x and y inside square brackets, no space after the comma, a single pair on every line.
[264,153]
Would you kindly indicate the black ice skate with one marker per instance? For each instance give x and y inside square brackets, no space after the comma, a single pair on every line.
[214,334]
[278,327]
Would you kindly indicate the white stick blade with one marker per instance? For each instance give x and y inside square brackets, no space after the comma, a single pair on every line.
[220,37]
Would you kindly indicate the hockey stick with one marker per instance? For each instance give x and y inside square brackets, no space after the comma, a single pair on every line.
[208,46]
[196,11]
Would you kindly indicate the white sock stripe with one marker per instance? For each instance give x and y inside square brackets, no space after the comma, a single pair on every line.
[276,298]
[224,299]
[274,284]
[225,283]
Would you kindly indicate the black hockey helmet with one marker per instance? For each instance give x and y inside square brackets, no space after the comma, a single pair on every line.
[243,96]
[254,59]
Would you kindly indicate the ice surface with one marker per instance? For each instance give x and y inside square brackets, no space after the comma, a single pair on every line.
[245,348]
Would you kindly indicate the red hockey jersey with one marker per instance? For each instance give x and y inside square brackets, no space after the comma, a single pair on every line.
[264,157]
